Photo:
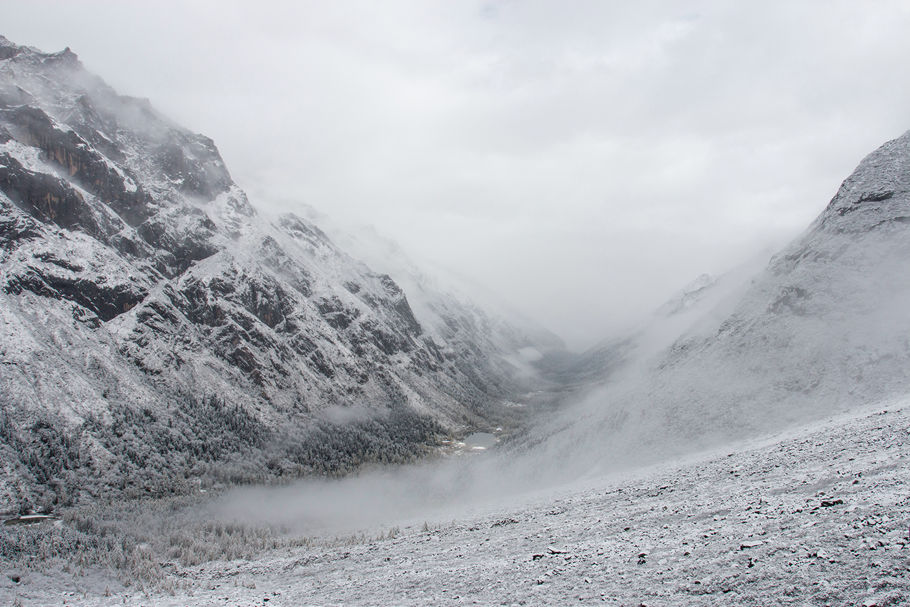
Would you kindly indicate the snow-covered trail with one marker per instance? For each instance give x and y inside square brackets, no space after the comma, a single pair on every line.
[818,516]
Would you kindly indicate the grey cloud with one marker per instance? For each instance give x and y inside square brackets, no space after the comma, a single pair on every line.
[586,161]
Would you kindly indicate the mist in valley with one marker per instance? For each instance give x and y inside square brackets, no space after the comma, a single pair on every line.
[482,265]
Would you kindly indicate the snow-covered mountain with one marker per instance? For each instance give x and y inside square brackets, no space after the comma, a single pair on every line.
[704,300]
[824,327]
[448,306]
[157,329]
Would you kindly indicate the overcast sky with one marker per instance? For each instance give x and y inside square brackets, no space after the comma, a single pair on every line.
[585,160]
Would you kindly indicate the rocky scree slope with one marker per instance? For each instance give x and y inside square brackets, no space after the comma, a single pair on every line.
[823,328]
[156,331]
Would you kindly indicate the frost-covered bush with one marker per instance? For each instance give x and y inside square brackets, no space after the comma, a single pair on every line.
[194,443]
[139,541]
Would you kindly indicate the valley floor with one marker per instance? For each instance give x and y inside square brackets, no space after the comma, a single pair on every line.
[817,516]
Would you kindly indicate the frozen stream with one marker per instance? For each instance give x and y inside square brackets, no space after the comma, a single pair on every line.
[480,440]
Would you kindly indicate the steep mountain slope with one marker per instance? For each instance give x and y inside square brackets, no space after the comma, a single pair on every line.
[704,300]
[823,328]
[158,331]
[449,307]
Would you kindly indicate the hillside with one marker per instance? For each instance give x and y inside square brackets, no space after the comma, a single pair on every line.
[813,516]
[822,329]
[160,333]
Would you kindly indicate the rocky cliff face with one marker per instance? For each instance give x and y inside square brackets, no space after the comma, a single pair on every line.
[157,331]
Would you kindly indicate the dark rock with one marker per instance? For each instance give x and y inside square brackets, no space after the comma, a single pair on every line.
[81,163]
[194,164]
[335,312]
[504,522]
[47,198]
[107,301]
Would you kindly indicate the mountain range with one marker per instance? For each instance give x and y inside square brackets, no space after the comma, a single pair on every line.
[160,333]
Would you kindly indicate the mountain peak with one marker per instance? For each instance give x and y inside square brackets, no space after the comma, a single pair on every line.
[66,57]
[876,193]
[8,49]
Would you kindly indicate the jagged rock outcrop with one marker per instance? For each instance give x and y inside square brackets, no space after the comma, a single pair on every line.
[157,331]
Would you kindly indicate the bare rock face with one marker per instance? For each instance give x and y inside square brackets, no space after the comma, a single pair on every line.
[157,331]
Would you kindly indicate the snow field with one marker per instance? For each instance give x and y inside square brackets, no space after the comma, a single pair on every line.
[814,517]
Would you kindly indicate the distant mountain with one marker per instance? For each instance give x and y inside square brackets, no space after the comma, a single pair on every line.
[159,332]
[823,328]
[604,363]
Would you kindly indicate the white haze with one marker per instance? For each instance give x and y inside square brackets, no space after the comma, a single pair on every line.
[585,164]
[584,161]
[643,416]
[563,452]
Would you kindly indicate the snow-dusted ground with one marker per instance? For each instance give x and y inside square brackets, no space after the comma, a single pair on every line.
[816,516]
